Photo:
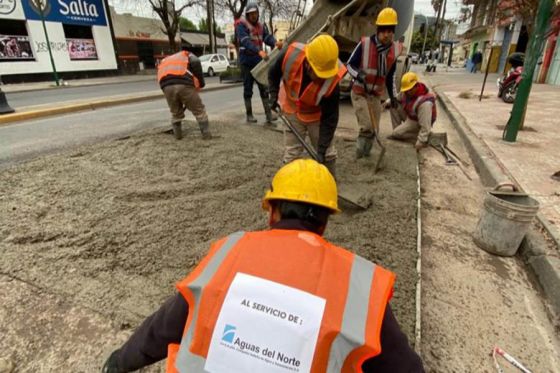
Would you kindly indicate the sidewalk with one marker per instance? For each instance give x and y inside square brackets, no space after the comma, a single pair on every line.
[536,155]
[24,87]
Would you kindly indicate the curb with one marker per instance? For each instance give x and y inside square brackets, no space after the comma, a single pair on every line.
[546,268]
[23,90]
[91,105]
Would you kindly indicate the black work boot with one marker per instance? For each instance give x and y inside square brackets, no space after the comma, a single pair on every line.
[331,166]
[204,129]
[249,111]
[270,116]
[177,130]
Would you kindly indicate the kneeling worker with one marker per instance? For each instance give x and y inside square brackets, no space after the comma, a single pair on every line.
[180,77]
[310,97]
[257,301]
[416,112]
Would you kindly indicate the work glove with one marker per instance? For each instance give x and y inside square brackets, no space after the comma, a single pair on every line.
[111,365]
[394,102]
[386,104]
[361,76]
[263,55]
[279,44]
[321,158]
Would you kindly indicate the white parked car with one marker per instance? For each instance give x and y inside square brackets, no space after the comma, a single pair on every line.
[213,63]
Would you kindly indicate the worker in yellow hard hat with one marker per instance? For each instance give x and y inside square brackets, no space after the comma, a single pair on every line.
[416,112]
[310,74]
[372,65]
[279,299]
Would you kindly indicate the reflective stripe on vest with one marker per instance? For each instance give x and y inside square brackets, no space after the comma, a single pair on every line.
[352,334]
[305,106]
[375,84]
[256,33]
[410,105]
[356,297]
[187,361]
[178,65]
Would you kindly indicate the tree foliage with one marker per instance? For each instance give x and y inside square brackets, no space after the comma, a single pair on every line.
[418,40]
[186,24]
[276,9]
[203,26]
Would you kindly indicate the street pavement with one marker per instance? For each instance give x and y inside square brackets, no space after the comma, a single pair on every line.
[20,97]
[535,156]
[28,139]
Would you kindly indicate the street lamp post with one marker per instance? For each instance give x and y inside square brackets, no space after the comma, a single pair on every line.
[42,4]
[425,36]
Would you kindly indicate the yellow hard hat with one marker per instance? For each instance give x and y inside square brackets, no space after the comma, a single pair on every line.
[322,55]
[408,81]
[387,17]
[303,180]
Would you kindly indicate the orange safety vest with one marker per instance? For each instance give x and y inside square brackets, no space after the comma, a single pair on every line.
[256,33]
[375,84]
[356,292]
[411,104]
[306,107]
[178,65]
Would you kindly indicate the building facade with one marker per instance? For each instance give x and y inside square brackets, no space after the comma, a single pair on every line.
[79,36]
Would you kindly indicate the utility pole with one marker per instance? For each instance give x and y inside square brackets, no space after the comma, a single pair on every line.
[517,117]
[42,5]
[425,36]
[210,24]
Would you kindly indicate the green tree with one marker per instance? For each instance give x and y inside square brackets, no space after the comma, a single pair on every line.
[186,24]
[203,26]
[418,40]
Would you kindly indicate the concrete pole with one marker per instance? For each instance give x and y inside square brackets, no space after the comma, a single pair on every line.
[517,118]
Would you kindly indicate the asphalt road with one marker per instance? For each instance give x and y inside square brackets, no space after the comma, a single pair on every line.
[26,140]
[58,95]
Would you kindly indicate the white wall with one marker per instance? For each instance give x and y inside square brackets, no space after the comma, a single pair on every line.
[103,44]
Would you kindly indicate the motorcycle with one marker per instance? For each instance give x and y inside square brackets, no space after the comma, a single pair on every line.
[509,83]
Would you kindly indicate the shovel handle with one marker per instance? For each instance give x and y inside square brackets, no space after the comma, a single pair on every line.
[300,138]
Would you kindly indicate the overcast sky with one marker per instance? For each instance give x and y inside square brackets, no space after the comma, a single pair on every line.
[133,6]
[425,7]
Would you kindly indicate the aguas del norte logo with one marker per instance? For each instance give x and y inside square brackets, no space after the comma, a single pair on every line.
[7,6]
[229,333]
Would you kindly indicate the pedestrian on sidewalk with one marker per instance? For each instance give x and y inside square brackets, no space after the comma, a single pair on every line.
[310,96]
[372,67]
[415,114]
[180,77]
[251,36]
[476,61]
[256,303]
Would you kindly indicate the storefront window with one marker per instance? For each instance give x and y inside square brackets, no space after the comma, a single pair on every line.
[81,45]
[14,41]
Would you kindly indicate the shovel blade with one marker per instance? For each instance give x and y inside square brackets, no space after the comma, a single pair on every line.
[353,197]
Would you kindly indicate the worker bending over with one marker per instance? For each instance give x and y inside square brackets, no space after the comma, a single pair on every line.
[283,299]
[416,113]
[251,37]
[372,67]
[180,77]
[310,75]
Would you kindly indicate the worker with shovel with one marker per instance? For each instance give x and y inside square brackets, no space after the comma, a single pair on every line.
[310,75]
[372,66]
[251,37]
[180,77]
[283,299]
[416,113]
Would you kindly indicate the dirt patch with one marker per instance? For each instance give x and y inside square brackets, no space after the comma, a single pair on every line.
[110,228]
[472,300]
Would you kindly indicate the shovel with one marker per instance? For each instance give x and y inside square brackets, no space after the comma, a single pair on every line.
[375,128]
[309,148]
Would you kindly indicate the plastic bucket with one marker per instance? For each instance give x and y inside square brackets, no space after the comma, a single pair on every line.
[504,221]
